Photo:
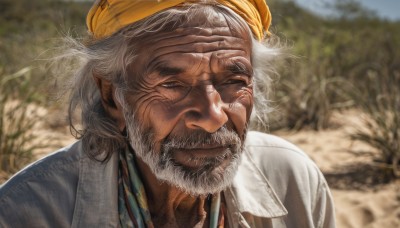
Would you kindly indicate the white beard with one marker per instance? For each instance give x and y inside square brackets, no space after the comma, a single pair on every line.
[208,179]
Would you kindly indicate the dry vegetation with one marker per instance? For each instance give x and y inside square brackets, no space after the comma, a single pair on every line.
[345,63]
[28,31]
[15,122]
[348,63]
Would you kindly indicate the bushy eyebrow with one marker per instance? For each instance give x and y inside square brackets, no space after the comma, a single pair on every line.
[239,68]
[164,70]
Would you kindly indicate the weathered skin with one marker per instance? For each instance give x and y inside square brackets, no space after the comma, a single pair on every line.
[196,78]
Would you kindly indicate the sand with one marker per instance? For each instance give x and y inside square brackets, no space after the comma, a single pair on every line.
[364,195]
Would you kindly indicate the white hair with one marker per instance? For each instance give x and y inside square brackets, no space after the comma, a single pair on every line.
[110,57]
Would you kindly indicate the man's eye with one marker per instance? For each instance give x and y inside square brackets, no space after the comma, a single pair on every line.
[173,90]
[238,81]
[235,81]
[171,85]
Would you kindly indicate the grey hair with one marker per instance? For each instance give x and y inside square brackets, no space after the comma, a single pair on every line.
[108,58]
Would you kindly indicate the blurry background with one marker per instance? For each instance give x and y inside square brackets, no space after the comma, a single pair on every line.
[338,98]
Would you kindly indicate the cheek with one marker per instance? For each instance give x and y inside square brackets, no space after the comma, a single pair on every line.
[159,118]
[152,112]
[246,100]
[242,97]
[240,110]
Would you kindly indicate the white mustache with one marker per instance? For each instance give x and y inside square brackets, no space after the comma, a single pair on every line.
[200,139]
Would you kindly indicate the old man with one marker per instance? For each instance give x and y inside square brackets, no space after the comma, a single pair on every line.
[166,90]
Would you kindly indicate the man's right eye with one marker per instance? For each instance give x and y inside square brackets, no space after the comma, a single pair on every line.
[173,90]
[171,85]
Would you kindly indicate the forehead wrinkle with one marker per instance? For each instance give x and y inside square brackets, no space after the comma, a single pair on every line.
[183,42]
[178,37]
[222,58]
[196,33]
[186,48]
[221,42]
[203,60]
[198,52]
[187,31]
[156,57]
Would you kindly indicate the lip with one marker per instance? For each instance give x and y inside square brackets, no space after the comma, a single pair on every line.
[195,157]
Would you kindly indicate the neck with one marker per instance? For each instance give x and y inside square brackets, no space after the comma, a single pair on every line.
[169,205]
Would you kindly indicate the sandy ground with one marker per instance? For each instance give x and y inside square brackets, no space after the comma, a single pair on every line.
[364,195]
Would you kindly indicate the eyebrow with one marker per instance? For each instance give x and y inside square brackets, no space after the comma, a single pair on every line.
[164,70]
[239,68]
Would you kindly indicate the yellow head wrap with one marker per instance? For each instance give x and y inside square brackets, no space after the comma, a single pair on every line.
[108,16]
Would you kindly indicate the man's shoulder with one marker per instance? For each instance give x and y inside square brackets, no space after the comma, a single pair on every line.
[50,165]
[282,163]
[256,138]
[292,177]
[263,146]
[38,190]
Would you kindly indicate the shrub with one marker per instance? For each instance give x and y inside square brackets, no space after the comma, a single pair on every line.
[308,96]
[313,85]
[17,118]
[380,101]
[27,29]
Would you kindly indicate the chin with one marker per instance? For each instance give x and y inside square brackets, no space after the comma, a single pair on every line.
[208,179]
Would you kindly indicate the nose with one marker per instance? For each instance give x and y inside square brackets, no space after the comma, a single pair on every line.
[207,111]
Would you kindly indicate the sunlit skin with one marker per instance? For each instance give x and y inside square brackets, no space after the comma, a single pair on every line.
[195,78]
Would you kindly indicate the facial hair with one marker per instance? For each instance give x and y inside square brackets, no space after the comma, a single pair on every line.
[208,179]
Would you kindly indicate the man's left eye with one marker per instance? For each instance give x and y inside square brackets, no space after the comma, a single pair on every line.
[235,81]
[242,80]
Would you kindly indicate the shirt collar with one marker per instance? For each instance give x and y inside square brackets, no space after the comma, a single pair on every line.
[252,193]
[96,202]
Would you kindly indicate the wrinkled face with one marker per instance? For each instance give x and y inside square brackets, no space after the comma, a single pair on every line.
[190,101]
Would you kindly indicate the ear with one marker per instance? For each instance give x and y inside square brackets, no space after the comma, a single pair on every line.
[110,104]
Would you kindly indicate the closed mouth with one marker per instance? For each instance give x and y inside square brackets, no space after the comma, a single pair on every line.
[199,156]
